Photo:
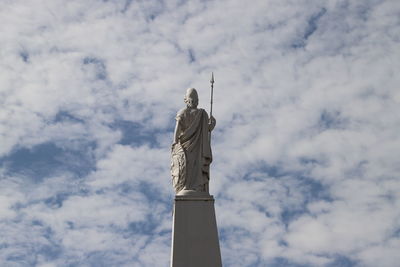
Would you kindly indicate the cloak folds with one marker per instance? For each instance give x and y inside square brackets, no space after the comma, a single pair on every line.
[191,156]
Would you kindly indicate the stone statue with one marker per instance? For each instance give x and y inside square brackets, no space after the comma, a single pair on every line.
[191,150]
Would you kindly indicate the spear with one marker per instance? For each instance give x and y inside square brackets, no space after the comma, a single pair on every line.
[211,103]
[212,91]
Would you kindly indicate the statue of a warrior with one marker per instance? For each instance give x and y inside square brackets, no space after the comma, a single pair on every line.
[191,150]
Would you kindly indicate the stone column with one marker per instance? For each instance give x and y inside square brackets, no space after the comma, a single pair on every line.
[194,235]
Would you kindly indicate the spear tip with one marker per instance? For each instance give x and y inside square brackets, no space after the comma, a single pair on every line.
[212,77]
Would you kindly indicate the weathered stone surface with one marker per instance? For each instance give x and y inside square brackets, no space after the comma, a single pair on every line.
[195,237]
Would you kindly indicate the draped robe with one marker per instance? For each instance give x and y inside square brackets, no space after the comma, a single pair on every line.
[191,156]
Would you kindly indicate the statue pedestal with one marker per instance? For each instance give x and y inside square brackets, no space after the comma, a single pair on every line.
[194,235]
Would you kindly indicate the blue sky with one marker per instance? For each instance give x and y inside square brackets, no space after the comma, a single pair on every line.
[306,149]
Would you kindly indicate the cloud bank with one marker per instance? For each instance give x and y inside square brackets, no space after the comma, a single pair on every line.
[306,149]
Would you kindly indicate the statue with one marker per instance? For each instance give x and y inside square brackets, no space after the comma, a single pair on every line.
[191,149]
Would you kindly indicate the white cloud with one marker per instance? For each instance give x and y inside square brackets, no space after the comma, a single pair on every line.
[305,150]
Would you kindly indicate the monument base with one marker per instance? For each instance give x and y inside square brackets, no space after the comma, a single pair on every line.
[194,235]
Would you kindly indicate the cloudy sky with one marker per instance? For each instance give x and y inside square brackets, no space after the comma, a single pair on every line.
[306,149]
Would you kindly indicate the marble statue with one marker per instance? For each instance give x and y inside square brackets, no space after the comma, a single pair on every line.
[191,149]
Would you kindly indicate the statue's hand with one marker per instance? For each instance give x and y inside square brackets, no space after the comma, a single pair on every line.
[211,124]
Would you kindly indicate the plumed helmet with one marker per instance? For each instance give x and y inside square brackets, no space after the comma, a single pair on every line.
[191,93]
[191,98]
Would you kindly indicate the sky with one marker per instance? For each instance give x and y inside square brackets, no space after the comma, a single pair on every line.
[306,148]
